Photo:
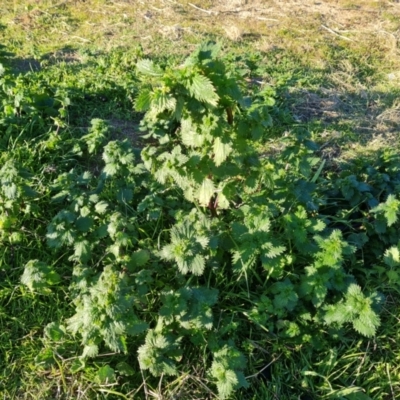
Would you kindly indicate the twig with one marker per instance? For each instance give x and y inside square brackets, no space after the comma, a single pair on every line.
[146,390]
[201,9]
[337,34]
[78,37]
[255,344]
[204,386]
[264,368]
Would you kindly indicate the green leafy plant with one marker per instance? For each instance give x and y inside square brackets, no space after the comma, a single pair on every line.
[97,135]
[39,277]
[205,128]
[358,309]
[207,241]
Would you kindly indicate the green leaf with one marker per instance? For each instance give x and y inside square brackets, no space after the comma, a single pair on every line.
[393,276]
[38,277]
[77,365]
[147,67]
[223,202]
[206,192]
[125,369]
[105,375]
[125,195]
[140,257]
[161,101]
[392,257]
[196,265]
[90,351]
[84,224]
[226,369]
[82,250]
[292,330]
[221,151]
[143,101]
[10,191]
[160,353]
[190,137]
[202,89]
[54,331]
[363,328]
[208,50]
[390,209]
[45,358]
[101,207]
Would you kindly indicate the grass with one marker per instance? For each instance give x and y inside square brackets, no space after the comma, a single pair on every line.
[335,66]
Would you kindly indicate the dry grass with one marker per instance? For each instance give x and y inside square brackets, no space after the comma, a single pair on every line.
[296,24]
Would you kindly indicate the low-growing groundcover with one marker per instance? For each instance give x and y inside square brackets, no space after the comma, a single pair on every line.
[204,261]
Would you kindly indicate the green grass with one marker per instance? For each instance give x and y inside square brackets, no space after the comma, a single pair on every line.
[339,90]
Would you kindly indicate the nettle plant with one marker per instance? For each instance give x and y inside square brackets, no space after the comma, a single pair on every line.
[204,128]
[205,241]
[254,218]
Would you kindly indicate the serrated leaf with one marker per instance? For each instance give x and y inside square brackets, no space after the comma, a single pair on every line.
[90,351]
[190,137]
[221,151]
[140,257]
[206,192]
[136,327]
[197,265]
[147,67]
[125,195]
[101,207]
[161,101]
[101,231]
[392,257]
[28,191]
[82,250]
[223,202]
[38,277]
[390,209]
[208,50]
[10,191]
[393,276]
[292,330]
[202,89]
[143,101]
[111,169]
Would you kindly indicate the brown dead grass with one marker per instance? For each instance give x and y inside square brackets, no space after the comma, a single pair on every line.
[115,23]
